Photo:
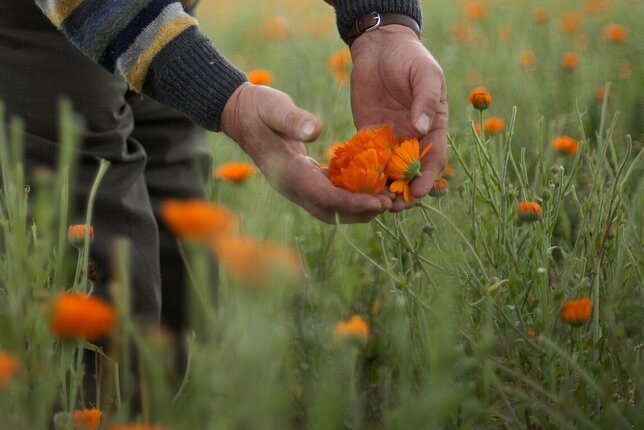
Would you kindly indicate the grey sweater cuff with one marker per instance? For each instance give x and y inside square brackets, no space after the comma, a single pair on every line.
[348,11]
[190,75]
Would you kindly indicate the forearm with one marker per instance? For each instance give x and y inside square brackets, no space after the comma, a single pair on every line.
[156,47]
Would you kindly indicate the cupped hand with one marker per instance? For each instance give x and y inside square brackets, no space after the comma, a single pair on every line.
[396,80]
[271,130]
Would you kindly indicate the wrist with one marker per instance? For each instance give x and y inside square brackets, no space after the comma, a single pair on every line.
[375,21]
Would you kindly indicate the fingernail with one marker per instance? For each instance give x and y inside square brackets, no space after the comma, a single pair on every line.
[422,123]
[307,130]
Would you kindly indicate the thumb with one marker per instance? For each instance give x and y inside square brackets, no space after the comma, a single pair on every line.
[281,115]
[428,94]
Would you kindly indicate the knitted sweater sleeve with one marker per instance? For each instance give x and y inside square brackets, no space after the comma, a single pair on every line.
[156,47]
[348,11]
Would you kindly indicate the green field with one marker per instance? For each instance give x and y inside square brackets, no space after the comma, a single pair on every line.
[462,299]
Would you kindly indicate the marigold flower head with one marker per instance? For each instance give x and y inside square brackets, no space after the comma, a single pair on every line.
[569,60]
[276,27]
[260,77]
[565,145]
[480,98]
[439,189]
[570,21]
[540,15]
[9,367]
[76,234]
[405,166]
[356,327]
[528,211]
[80,316]
[197,219]
[615,33]
[532,334]
[494,125]
[576,312]
[255,262]
[234,171]
[447,172]
[86,419]
[359,164]
[526,58]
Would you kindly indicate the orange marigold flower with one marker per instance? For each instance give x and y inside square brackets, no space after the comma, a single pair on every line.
[569,60]
[260,77]
[9,367]
[532,334]
[356,327]
[494,125]
[576,312]
[359,164]
[276,27]
[197,219]
[253,261]
[439,189]
[565,145]
[339,63]
[480,98]
[570,22]
[526,58]
[476,10]
[235,171]
[448,172]
[540,15]
[404,166]
[528,211]
[86,419]
[615,33]
[80,316]
[76,234]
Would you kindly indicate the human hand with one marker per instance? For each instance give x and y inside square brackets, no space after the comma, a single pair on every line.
[396,80]
[271,130]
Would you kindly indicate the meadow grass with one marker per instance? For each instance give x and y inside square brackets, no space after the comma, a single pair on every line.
[461,298]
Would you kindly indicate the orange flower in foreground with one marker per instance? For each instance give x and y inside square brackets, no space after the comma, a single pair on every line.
[260,77]
[404,166]
[356,327]
[439,189]
[526,58]
[86,419]
[359,164]
[76,234]
[480,98]
[576,312]
[532,334]
[615,33]
[197,219]
[234,171]
[540,15]
[253,261]
[80,316]
[9,366]
[565,145]
[528,211]
[570,22]
[569,60]
[339,64]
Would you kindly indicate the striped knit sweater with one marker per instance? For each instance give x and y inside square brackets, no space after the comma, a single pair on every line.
[156,47]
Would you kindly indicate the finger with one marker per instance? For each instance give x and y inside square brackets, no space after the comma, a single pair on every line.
[435,160]
[289,120]
[428,92]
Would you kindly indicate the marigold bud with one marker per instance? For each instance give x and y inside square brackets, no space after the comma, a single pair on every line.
[480,98]
[439,189]
[576,312]
[76,234]
[528,211]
